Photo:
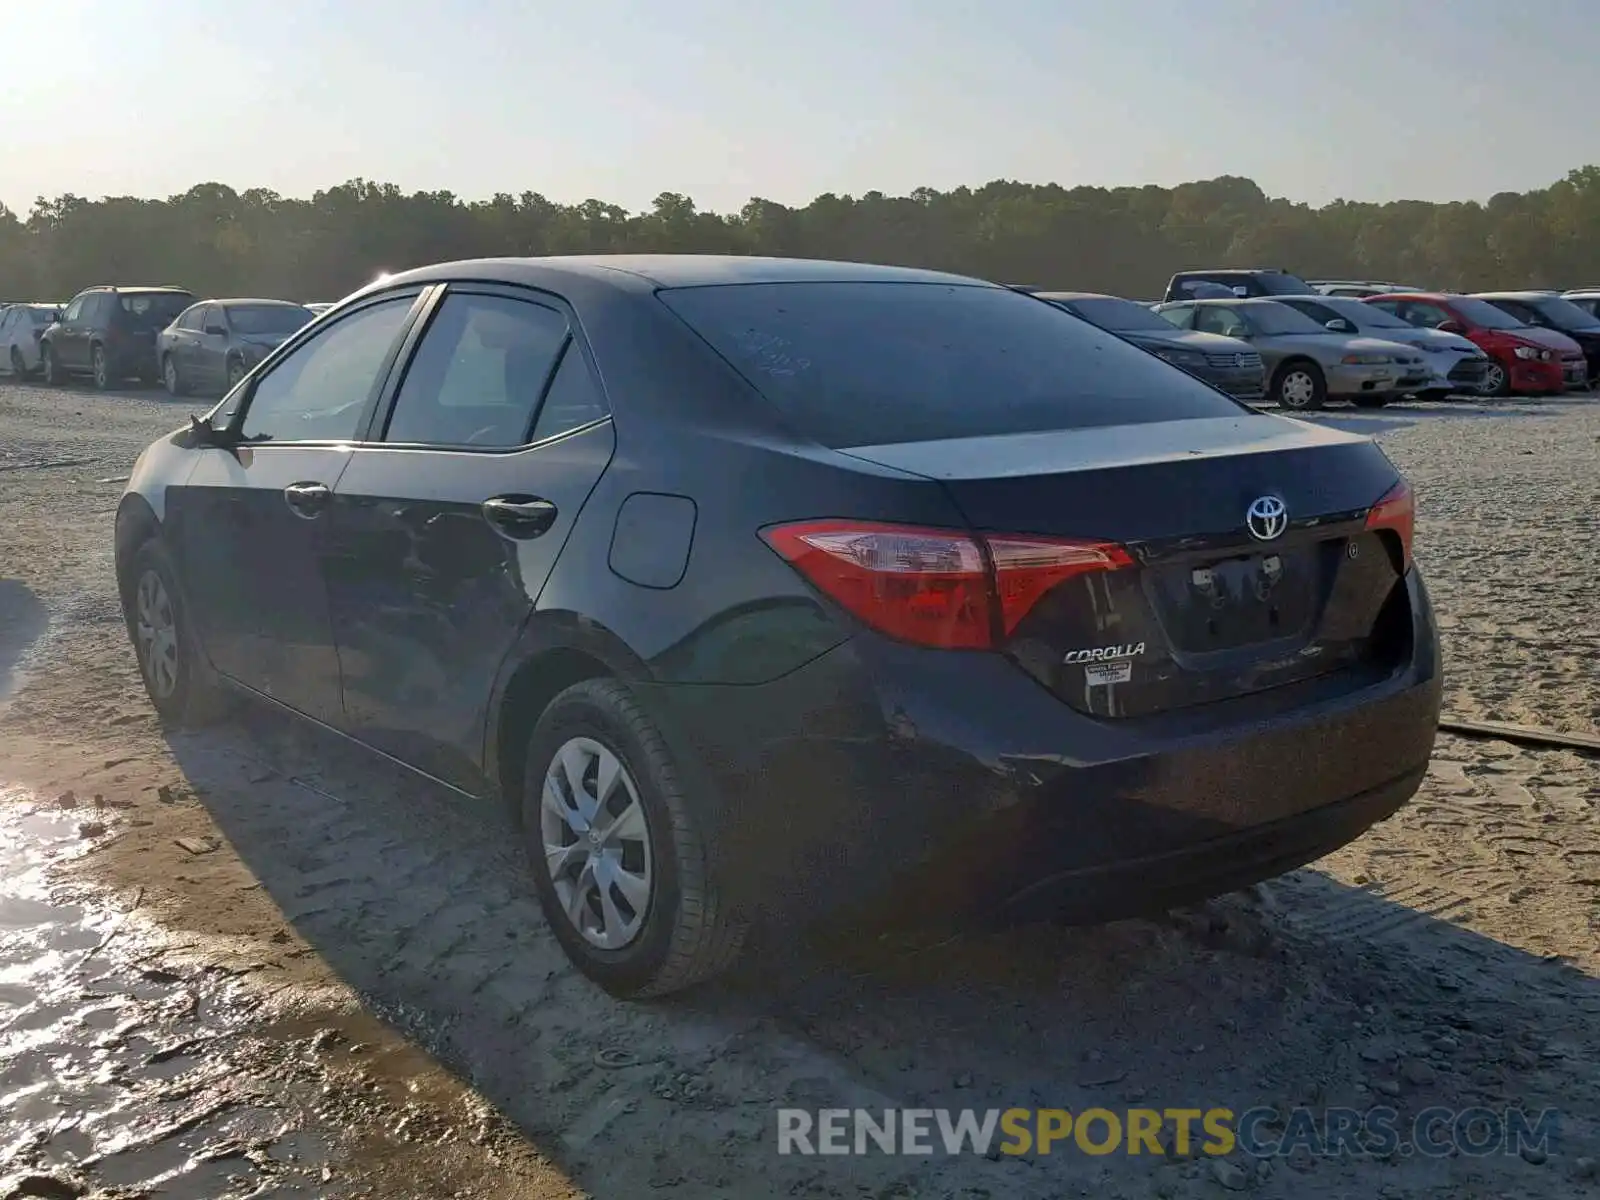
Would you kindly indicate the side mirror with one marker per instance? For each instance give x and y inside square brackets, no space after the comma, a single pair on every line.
[216,331]
[1340,325]
[207,436]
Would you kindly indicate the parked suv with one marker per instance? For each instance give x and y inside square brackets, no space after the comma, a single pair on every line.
[1243,283]
[109,334]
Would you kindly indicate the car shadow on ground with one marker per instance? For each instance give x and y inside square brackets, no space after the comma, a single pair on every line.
[23,620]
[1306,993]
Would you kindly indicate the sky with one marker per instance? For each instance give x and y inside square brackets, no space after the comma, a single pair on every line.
[621,100]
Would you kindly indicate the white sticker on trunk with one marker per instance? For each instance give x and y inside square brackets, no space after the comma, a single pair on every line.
[1103,674]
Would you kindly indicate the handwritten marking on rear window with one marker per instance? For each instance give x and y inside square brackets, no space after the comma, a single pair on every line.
[769,353]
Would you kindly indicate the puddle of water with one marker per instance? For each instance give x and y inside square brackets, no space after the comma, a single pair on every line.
[111,1071]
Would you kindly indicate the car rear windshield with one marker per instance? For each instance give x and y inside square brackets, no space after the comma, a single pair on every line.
[44,316]
[870,363]
[1117,314]
[1277,283]
[1485,315]
[269,319]
[154,308]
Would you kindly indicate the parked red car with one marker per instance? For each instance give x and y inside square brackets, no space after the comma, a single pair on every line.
[1522,358]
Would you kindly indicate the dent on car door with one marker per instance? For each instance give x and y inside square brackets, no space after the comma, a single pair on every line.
[445,530]
[250,522]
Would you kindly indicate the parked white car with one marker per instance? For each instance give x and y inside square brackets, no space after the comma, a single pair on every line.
[1359,287]
[21,326]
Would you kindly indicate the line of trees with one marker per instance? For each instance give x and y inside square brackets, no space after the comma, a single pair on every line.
[1126,240]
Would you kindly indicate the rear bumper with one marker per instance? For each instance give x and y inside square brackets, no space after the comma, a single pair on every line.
[947,780]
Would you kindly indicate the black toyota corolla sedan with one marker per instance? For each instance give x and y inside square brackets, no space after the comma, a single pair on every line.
[763,589]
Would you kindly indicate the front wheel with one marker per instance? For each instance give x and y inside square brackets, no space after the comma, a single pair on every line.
[50,366]
[236,373]
[619,860]
[178,679]
[1300,386]
[1496,381]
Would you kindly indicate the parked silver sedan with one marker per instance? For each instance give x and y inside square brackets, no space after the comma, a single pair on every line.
[1455,366]
[1307,364]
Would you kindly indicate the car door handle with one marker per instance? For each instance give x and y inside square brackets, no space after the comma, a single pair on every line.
[520,516]
[307,499]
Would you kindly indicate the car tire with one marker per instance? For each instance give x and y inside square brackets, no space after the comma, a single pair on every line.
[171,377]
[1370,401]
[19,369]
[236,373]
[50,366]
[181,684]
[677,931]
[1300,386]
[100,368]
[1496,381]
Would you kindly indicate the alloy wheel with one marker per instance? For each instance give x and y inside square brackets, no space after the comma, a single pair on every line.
[1494,380]
[235,374]
[156,631]
[596,843]
[1297,390]
[169,376]
[102,369]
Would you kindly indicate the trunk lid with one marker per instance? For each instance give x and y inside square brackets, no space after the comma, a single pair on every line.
[1208,610]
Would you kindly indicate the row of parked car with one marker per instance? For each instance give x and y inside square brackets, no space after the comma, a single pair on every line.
[1257,334]
[1269,333]
[113,334]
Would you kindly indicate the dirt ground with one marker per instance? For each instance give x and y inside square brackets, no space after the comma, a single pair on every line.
[253,963]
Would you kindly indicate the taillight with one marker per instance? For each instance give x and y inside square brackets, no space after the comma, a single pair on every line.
[1397,511]
[936,587]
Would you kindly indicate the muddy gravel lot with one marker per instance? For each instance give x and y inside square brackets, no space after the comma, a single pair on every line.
[253,963]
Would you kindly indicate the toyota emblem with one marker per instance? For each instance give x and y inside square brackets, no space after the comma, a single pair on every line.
[1266,518]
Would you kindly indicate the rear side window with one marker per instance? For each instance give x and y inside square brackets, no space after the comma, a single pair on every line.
[861,364]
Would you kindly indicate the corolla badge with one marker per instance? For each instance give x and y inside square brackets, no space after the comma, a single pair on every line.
[1266,518]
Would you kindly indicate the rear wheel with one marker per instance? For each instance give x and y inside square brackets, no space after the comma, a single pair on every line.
[171,378]
[19,369]
[1300,385]
[180,683]
[618,859]
[100,368]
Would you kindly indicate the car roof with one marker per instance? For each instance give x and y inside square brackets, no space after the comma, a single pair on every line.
[252,300]
[1253,301]
[1531,294]
[1078,296]
[651,271]
[164,287]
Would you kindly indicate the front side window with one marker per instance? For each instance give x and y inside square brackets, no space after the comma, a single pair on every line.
[870,363]
[1220,319]
[1320,313]
[1181,316]
[479,373]
[319,392]
[1425,316]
